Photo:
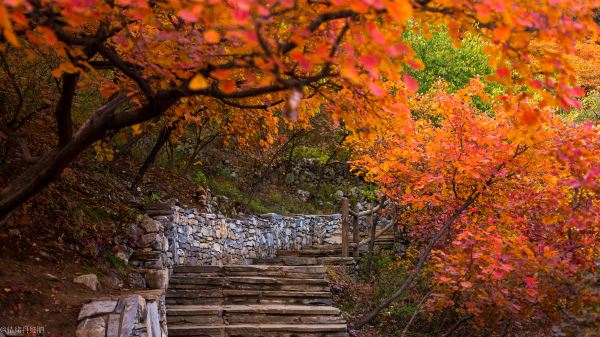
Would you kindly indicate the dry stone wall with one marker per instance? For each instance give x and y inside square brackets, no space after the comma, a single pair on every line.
[211,239]
[174,236]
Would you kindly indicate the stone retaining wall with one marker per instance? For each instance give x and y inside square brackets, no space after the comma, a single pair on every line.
[209,239]
[174,236]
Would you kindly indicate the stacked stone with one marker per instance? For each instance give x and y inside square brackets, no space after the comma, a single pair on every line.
[150,248]
[127,316]
[213,239]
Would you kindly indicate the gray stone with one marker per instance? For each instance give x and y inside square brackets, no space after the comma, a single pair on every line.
[131,314]
[91,327]
[136,280]
[150,225]
[96,308]
[89,280]
[157,278]
[153,320]
[148,240]
[112,329]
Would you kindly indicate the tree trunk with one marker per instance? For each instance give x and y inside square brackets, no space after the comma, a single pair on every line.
[51,165]
[200,144]
[412,318]
[373,218]
[421,262]
[163,137]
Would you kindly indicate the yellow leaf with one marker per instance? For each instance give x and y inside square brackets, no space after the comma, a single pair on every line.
[399,10]
[198,82]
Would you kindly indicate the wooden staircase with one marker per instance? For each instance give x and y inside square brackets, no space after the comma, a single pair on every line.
[253,300]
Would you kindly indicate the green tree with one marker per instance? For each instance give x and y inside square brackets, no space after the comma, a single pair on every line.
[454,64]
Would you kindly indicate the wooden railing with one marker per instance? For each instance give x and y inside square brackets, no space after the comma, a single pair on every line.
[356,243]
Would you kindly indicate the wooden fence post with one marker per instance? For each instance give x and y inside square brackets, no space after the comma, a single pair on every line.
[356,235]
[372,229]
[345,211]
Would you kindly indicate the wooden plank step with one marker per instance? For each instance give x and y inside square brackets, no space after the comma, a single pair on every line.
[177,279]
[269,313]
[244,293]
[263,309]
[250,300]
[274,293]
[257,330]
[336,260]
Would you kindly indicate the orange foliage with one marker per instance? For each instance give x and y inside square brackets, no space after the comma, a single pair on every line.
[523,255]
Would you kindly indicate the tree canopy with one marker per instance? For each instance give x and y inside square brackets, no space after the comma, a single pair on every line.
[505,201]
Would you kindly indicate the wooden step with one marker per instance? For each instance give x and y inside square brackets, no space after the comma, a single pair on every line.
[255,300]
[298,330]
[232,280]
[258,314]
[234,269]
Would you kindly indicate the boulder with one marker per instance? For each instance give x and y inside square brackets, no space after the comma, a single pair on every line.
[88,280]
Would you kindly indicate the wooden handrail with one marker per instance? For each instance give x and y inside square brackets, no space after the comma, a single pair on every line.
[368,212]
[377,235]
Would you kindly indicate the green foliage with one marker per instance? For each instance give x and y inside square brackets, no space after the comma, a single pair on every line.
[227,188]
[115,262]
[256,206]
[590,110]
[322,155]
[94,215]
[200,178]
[456,65]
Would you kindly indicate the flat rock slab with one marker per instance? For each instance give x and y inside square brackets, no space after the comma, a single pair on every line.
[97,308]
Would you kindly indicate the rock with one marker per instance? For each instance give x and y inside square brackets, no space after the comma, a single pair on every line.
[91,327]
[136,280]
[150,225]
[51,277]
[96,308]
[153,319]
[131,312]
[148,240]
[339,194]
[89,280]
[157,278]
[112,330]
[303,193]
[115,281]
